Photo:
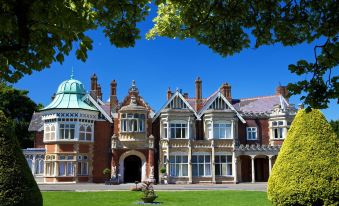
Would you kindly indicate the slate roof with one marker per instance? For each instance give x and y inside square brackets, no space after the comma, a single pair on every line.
[36,123]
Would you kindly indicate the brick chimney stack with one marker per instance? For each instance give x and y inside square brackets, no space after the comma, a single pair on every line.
[185,95]
[94,86]
[198,93]
[99,92]
[169,93]
[282,90]
[113,100]
[225,89]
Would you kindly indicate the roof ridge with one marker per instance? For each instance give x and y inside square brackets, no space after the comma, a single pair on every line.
[259,97]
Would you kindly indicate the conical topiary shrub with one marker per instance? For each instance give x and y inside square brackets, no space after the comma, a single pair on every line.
[17,184]
[306,171]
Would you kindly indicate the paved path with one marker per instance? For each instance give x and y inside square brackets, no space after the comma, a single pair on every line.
[82,187]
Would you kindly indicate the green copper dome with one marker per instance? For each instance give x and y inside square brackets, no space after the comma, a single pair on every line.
[70,95]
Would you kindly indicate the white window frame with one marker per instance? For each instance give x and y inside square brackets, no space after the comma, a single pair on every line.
[250,131]
[206,165]
[81,164]
[67,127]
[68,166]
[220,136]
[132,122]
[178,125]
[223,164]
[85,133]
[177,168]
[278,128]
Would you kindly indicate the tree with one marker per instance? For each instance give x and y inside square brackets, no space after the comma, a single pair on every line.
[35,33]
[17,184]
[306,170]
[228,27]
[335,126]
[18,107]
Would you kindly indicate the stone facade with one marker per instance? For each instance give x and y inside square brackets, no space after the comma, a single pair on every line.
[218,139]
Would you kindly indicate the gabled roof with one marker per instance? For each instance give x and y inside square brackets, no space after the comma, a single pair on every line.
[212,98]
[176,94]
[95,103]
[36,123]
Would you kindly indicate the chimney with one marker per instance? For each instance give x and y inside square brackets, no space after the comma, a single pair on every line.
[282,90]
[113,101]
[99,92]
[225,89]
[169,93]
[198,93]
[185,95]
[94,86]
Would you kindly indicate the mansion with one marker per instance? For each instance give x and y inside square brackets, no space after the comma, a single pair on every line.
[218,139]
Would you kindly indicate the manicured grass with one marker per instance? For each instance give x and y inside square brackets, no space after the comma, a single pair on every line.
[180,198]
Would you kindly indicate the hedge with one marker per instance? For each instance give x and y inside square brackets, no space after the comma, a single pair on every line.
[17,184]
[306,171]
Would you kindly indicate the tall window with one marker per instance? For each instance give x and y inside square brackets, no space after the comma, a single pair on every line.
[49,132]
[251,133]
[179,165]
[29,159]
[178,130]
[165,130]
[66,131]
[82,165]
[39,165]
[50,168]
[66,165]
[85,133]
[223,165]
[132,122]
[201,165]
[278,130]
[222,131]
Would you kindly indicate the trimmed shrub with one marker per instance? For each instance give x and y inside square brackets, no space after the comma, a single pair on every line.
[306,171]
[17,184]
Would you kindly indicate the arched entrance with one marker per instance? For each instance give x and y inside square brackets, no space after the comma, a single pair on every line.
[132,170]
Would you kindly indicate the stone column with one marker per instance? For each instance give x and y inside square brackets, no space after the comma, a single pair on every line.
[235,168]
[253,170]
[270,164]
[190,179]
[151,165]
[167,160]
[213,161]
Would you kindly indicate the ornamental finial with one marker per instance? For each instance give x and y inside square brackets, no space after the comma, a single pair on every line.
[72,73]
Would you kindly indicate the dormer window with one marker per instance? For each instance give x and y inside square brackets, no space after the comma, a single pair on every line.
[251,133]
[278,130]
[132,122]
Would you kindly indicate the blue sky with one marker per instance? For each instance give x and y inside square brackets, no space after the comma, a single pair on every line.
[161,63]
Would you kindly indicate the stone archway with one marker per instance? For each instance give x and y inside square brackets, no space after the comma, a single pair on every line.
[122,162]
[132,169]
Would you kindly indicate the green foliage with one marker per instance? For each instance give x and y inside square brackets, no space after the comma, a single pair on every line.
[34,33]
[229,26]
[106,172]
[306,171]
[18,107]
[335,126]
[163,170]
[17,184]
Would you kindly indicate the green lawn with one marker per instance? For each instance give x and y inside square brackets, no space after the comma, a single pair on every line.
[189,198]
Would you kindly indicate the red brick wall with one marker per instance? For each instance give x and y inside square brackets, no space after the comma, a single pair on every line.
[39,140]
[102,149]
[262,128]
[66,148]
[83,148]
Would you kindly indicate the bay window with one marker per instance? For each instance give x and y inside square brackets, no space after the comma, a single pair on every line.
[85,133]
[223,165]
[179,165]
[66,131]
[201,165]
[178,130]
[82,165]
[222,130]
[132,122]
[66,165]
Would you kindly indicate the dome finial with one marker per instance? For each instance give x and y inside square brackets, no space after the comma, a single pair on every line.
[72,73]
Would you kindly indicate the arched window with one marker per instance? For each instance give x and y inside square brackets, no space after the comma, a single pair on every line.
[82,132]
[30,162]
[85,133]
